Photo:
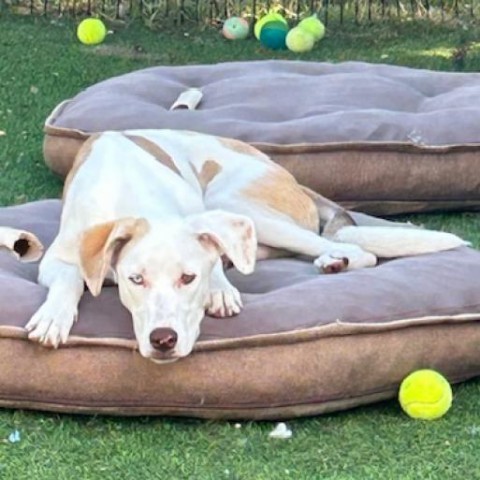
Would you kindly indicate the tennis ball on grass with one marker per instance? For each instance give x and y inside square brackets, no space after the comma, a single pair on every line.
[313,26]
[273,35]
[269,17]
[235,28]
[91,31]
[425,394]
[299,40]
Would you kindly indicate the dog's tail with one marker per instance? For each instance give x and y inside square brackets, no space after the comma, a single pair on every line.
[389,242]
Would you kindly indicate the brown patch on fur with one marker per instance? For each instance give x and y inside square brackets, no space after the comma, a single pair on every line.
[92,246]
[153,149]
[245,149]
[80,158]
[279,191]
[209,170]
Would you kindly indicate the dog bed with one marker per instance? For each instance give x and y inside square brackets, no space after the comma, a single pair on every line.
[304,344]
[376,138]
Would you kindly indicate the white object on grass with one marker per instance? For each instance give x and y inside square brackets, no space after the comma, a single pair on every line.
[14,437]
[280,431]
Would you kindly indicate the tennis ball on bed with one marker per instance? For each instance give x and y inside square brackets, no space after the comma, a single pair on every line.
[299,40]
[269,17]
[425,394]
[91,31]
[235,28]
[313,26]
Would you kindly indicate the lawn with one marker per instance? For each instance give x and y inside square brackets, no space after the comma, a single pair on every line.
[42,64]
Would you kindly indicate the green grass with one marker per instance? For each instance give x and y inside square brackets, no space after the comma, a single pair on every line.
[42,64]
[366,443]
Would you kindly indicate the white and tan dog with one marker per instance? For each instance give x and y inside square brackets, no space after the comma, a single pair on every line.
[155,210]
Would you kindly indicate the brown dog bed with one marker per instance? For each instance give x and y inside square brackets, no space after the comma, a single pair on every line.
[304,344]
[377,138]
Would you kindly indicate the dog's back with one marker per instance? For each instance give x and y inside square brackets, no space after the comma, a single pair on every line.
[183,171]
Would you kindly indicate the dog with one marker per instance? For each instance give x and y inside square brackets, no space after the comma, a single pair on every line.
[157,210]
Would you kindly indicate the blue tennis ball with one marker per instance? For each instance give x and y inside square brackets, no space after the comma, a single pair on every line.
[269,17]
[273,36]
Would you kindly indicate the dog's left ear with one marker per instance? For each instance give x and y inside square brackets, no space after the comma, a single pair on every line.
[24,245]
[228,234]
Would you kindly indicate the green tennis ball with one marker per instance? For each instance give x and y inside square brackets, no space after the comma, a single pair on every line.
[269,17]
[425,394]
[299,40]
[91,31]
[275,24]
[235,28]
[313,26]
[273,37]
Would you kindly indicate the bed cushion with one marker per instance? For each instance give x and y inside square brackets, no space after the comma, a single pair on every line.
[377,138]
[304,344]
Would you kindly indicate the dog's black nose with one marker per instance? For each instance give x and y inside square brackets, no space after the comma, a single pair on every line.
[163,339]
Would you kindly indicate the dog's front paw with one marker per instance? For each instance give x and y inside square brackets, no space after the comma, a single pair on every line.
[51,324]
[224,303]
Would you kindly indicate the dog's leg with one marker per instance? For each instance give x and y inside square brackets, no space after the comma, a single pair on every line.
[331,257]
[52,322]
[224,299]
[274,231]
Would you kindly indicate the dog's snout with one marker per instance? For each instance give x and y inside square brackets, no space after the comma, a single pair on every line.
[163,339]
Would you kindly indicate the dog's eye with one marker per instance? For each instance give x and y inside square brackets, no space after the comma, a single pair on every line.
[187,278]
[137,279]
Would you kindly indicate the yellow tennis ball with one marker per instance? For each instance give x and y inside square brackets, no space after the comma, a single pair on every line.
[425,394]
[269,17]
[313,26]
[299,40]
[91,31]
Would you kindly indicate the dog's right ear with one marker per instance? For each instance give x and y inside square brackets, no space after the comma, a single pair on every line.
[24,245]
[101,244]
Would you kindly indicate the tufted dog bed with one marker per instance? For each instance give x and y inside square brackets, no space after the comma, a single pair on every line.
[304,344]
[377,138]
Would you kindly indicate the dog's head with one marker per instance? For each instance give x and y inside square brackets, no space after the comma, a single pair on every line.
[163,272]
